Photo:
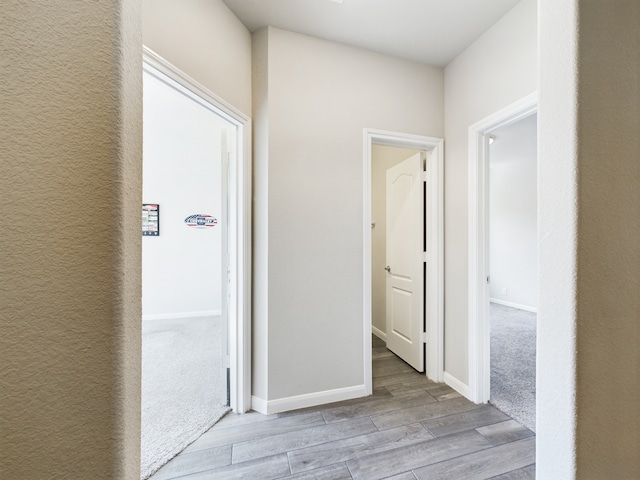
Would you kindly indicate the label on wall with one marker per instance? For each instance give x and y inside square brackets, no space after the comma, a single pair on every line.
[200,220]
[150,220]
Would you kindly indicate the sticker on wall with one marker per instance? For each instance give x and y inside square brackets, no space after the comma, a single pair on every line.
[200,220]
[150,220]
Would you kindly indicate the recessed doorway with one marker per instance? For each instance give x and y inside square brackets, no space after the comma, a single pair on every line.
[480,275]
[428,160]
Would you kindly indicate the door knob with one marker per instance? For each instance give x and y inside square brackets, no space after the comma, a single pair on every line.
[388,268]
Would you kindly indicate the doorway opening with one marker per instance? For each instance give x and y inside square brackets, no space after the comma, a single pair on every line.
[513,289]
[429,241]
[196,261]
[511,282]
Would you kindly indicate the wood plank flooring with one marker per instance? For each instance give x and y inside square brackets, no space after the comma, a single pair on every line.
[409,429]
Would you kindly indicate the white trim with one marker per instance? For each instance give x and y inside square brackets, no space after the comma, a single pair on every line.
[379,333]
[519,306]
[367,317]
[457,385]
[478,198]
[169,316]
[154,60]
[268,407]
[239,307]
[259,404]
[434,291]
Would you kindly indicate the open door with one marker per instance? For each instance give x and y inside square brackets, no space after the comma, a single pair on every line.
[405,261]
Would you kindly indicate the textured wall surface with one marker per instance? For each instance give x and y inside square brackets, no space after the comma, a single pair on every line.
[70,244]
[497,70]
[588,332]
[205,40]
[608,260]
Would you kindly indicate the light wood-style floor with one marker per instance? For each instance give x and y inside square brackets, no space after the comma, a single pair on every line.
[410,428]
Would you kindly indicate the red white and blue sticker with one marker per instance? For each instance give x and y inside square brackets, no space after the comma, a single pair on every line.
[200,220]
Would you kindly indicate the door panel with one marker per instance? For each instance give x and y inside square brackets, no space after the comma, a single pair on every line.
[405,261]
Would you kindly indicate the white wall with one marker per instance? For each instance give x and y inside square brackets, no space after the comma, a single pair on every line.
[260,209]
[205,40]
[382,159]
[181,268]
[513,214]
[588,329]
[309,182]
[495,71]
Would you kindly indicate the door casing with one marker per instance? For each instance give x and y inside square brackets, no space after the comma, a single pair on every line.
[434,287]
[478,196]
[239,230]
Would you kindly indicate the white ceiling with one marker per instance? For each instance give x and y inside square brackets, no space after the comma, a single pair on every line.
[428,31]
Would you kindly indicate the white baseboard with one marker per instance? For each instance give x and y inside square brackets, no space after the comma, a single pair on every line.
[268,407]
[457,385]
[259,404]
[514,305]
[169,316]
[379,333]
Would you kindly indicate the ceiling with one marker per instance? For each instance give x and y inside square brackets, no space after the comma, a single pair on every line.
[427,31]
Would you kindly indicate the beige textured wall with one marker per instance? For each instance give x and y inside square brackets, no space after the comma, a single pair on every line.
[588,330]
[608,300]
[557,205]
[601,332]
[70,244]
[205,40]
[321,95]
[608,265]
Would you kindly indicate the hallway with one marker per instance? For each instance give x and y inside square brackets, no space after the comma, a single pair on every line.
[410,428]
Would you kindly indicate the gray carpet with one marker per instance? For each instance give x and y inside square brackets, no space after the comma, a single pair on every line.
[513,363]
[184,389]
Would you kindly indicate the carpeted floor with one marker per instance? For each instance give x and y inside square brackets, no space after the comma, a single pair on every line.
[513,363]
[184,389]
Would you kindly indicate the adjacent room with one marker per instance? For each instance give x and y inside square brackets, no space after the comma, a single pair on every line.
[513,268]
[184,313]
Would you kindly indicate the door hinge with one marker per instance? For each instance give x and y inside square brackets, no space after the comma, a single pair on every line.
[424,175]
[423,337]
[424,257]
[488,279]
[227,362]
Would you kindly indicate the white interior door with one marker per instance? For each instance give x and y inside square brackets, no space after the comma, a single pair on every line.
[405,261]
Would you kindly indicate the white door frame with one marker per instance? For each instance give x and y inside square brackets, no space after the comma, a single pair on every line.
[478,197]
[434,287]
[239,244]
